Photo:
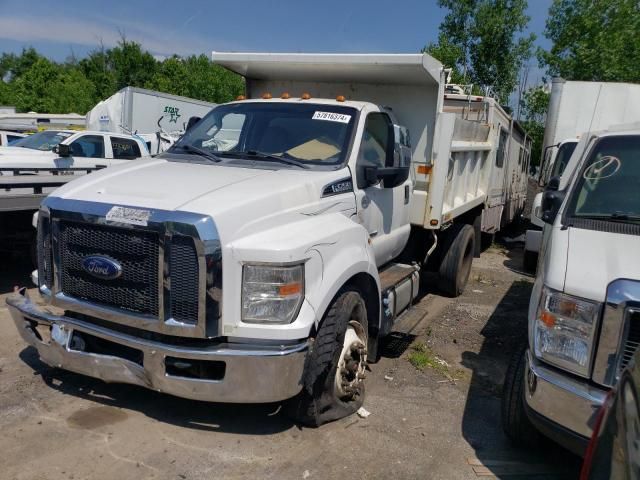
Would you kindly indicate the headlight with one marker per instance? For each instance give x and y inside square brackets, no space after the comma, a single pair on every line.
[564,331]
[271,294]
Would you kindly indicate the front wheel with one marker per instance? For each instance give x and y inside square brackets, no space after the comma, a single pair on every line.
[515,423]
[333,384]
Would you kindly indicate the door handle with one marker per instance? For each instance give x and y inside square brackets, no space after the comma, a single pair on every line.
[406,194]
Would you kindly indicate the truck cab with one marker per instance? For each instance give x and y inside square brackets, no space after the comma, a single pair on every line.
[584,306]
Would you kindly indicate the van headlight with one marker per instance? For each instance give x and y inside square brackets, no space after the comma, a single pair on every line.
[564,331]
[271,294]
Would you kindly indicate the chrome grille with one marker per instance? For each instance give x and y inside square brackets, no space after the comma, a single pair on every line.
[632,339]
[45,263]
[183,272]
[137,251]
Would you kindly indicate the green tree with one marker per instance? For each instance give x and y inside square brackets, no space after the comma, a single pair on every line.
[131,65]
[534,105]
[593,40]
[485,40]
[98,70]
[50,87]
[196,77]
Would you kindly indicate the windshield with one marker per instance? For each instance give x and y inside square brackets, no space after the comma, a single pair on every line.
[42,140]
[562,158]
[303,133]
[608,185]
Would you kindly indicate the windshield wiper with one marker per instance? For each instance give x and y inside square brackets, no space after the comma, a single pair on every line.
[613,217]
[276,158]
[198,151]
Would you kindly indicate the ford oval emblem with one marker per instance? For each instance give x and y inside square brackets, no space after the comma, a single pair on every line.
[102,267]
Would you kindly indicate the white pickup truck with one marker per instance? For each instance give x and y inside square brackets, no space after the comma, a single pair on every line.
[267,253]
[33,166]
[584,314]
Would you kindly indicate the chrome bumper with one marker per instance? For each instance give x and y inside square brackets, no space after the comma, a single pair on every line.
[252,373]
[565,401]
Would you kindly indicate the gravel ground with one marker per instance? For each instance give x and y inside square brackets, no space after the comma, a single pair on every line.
[438,421]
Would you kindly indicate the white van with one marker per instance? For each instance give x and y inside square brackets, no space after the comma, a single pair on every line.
[584,314]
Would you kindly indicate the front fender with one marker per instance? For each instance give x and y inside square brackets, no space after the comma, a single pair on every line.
[333,247]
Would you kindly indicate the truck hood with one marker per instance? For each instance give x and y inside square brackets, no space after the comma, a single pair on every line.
[237,198]
[595,259]
[26,157]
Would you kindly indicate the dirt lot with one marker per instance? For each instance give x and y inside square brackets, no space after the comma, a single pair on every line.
[433,398]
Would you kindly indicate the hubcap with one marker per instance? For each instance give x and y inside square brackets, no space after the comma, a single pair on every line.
[350,373]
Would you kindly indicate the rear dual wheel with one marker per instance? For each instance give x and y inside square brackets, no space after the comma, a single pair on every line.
[333,385]
[459,241]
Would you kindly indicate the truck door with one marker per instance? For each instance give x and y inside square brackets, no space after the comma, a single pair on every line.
[87,151]
[383,211]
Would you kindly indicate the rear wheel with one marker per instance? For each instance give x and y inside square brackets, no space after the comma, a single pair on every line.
[335,369]
[456,265]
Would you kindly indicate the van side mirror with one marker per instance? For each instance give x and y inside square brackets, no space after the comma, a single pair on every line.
[192,121]
[552,199]
[62,150]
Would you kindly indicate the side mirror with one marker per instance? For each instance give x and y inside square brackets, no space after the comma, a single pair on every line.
[192,121]
[552,199]
[62,150]
[390,176]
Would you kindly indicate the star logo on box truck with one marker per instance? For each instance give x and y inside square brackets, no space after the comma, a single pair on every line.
[173,111]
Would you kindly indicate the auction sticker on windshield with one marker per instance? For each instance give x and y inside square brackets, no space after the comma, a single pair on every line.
[331,117]
[132,216]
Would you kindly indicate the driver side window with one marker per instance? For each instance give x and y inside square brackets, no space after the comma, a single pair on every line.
[376,148]
[91,146]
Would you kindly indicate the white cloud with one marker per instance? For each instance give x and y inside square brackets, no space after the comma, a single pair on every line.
[105,30]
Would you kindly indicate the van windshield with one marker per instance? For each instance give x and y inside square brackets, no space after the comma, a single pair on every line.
[562,158]
[302,133]
[607,188]
[42,140]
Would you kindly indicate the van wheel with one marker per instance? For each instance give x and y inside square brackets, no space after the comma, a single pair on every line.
[456,265]
[333,383]
[515,423]
[530,261]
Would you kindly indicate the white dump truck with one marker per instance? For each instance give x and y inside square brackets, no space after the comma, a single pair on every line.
[157,117]
[266,254]
[575,109]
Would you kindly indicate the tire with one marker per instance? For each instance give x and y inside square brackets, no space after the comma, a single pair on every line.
[33,253]
[486,240]
[477,236]
[333,384]
[515,423]
[530,261]
[456,264]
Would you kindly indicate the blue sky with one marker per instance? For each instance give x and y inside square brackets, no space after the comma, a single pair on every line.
[56,28]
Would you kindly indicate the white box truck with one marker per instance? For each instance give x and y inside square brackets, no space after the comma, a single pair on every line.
[266,254]
[575,109]
[159,118]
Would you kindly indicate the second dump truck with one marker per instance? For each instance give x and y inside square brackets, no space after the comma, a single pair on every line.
[267,253]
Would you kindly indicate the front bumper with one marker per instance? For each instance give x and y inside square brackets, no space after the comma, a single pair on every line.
[251,373]
[563,407]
